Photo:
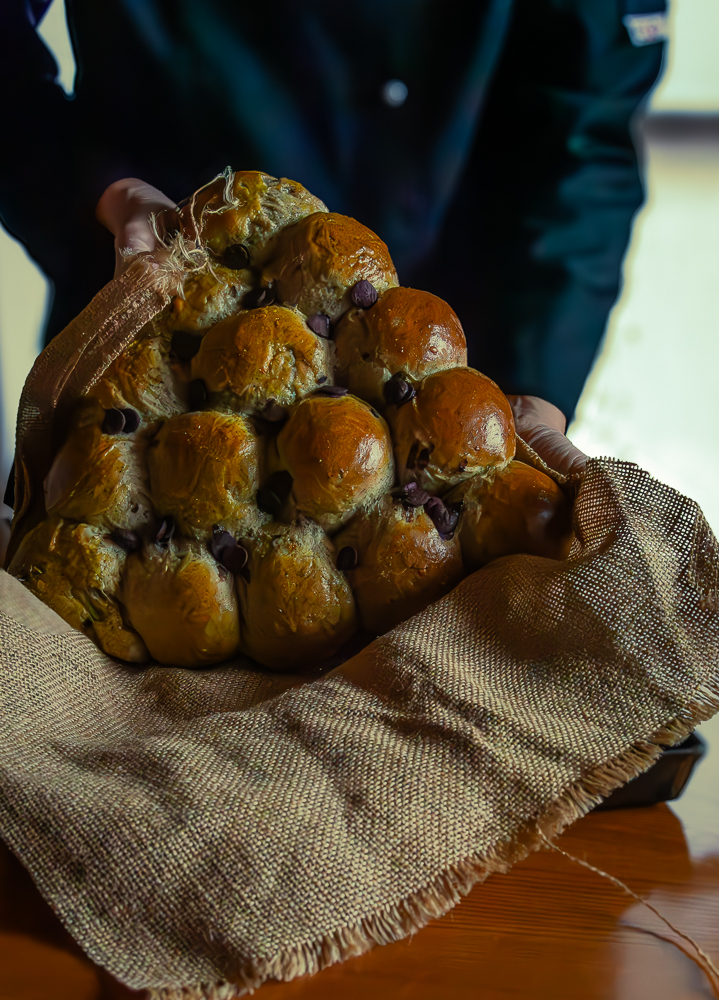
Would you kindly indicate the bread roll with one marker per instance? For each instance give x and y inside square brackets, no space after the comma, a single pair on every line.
[518,510]
[406,331]
[338,451]
[296,607]
[141,378]
[204,469]
[403,563]
[316,263]
[459,424]
[245,208]
[98,475]
[75,569]
[182,602]
[262,354]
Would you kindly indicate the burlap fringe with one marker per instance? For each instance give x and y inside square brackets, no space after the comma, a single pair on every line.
[437,898]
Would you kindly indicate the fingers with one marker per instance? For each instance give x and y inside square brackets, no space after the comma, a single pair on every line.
[125,208]
[531,410]
[542,426]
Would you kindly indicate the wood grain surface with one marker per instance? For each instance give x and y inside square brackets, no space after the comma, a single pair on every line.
[548,929]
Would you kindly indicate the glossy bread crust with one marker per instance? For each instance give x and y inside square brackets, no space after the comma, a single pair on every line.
[407,331]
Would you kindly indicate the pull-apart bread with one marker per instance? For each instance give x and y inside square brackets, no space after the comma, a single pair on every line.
[293,451]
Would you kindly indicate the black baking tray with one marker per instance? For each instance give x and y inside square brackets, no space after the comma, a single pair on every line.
[665,780]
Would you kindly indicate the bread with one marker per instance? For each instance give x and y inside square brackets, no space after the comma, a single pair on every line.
[297,608]
[204,469]
[260,355]
[76,570]
[321,262]
[291,454]
[407,332]
[182,602]
[397,562]
[98,476]
[338,453]
[457,424]
[519,509]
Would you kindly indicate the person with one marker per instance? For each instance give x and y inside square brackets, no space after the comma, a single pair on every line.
[488,143]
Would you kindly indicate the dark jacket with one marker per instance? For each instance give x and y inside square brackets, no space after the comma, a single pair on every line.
[506,182]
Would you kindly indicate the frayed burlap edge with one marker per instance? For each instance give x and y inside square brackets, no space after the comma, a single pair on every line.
[439,896]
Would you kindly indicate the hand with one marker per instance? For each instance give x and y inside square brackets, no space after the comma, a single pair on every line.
[542,426]
[125,208]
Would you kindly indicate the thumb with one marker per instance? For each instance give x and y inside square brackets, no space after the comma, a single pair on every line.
[125,208]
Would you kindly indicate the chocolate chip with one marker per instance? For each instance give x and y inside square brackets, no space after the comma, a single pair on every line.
[258,297]
[165,531]
[364,294]
[319,324]
[132,420]
[236,257]
[227,550]
[331,390]
[398,390]
[185,345]
[444,519]
[273,412]
[346,558]
[127,540]
[412,495]
[321,379]
[271,497]
[114,422]
[196,394]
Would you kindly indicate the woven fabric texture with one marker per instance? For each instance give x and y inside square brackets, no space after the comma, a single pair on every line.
[199,832]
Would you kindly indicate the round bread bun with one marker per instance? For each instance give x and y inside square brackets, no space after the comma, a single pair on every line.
[245,207]
[261,355]
[99,477]
[204,469]
[405,331]
[459,424]
[403,563]
[75,569]
[182,602]
[339,454]
[141,378]
[316,263]
[520,509]
[207,298]
[297,608]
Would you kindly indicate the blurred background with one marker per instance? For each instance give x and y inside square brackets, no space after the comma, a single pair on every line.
[651,397]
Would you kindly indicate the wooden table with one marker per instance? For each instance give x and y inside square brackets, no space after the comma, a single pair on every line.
[549,929]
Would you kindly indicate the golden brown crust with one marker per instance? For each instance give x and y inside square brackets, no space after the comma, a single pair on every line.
[297,608]
[182,603]
[339,454]
[458,424]
[204,469]
[519,510]
[263,354]
[141,377]
[207,298]
[316,262]
[403,563]
[99,478]
[75,569]
[405,331]
[247,208]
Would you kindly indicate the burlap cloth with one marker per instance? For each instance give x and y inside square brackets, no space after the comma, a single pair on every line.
[201,831]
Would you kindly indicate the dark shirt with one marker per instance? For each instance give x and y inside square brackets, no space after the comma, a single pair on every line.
[506,182]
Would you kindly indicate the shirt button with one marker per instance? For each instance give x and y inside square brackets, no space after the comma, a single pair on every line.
[394,93]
